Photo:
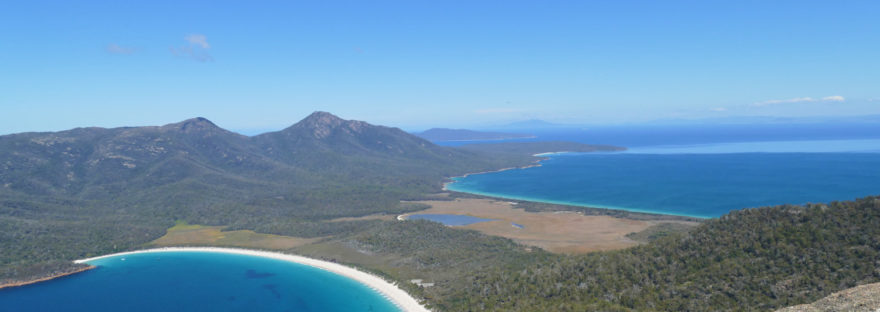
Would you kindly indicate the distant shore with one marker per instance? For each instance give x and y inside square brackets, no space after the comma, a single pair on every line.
[388,290]
[47,278]
[491,139]
[536,163]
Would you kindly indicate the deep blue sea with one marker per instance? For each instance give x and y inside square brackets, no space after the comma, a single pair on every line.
[196,281]
[703,174]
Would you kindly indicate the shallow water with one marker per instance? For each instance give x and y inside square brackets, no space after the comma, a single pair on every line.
[707,184]
[196,281]
[448,219]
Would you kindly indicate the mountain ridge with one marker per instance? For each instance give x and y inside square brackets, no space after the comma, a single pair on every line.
[85,191]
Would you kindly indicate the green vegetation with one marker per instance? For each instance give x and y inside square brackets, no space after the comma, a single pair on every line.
[93,191]
[659,231]
[754,259]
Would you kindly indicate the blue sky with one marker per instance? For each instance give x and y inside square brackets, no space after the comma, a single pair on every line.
[418,64]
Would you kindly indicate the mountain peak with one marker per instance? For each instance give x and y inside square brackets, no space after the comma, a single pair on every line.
[323,124]
[198,124]
[320,118]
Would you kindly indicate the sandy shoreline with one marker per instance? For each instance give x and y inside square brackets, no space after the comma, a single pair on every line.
[536,163]
[47,278]
[388,290]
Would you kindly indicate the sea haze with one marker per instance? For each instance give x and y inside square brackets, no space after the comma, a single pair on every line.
[705,179]
[196,281]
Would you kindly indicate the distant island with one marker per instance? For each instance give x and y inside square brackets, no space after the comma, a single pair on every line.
[446,134]
[540,148]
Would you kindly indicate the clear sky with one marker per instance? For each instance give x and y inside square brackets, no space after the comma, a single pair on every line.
[417,64]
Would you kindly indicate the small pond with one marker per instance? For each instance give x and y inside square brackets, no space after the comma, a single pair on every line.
[448,219]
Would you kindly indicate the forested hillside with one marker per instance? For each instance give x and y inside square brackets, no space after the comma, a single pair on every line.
[89,191]
[754,259]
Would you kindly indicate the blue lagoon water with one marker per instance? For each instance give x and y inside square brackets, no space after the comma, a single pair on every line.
[701,180]
[196,281]
[448,219]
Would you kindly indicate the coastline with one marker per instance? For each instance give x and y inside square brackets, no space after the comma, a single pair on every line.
[564,203]
[47,278]
[537,163]
[399,297]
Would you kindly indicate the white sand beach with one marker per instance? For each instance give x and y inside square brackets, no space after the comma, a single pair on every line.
[400,298]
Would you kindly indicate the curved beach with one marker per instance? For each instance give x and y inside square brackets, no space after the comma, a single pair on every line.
[396,295]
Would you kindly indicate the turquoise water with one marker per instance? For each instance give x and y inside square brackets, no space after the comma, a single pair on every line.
[700,180]
[448,219]
[196,281]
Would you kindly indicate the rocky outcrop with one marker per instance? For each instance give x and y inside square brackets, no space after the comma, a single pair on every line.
[857,299]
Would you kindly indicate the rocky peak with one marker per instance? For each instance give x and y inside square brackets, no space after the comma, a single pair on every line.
[192,125]
[323,124]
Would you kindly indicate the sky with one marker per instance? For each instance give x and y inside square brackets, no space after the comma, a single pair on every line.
[263,65]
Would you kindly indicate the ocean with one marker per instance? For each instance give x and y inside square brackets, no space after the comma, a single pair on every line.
[705,174]
[196,281]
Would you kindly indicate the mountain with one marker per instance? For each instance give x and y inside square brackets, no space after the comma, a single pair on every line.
[91,191]
[69,194]
[323,132]
[445,134]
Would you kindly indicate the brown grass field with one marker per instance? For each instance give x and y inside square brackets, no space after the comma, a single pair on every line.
[560,232]
[184,234]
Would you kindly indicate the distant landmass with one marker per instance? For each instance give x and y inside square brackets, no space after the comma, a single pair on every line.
[445,134]
[533,124]
[531,148]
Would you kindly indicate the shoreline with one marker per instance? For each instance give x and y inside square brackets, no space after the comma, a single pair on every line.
[390,291]
[47,278]
[537,163]
[564,203]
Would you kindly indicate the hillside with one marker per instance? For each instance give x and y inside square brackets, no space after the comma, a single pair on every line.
[88,191]
[754,259]
[445,134]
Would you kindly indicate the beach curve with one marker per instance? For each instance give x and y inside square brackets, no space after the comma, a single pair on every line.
[399,297]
